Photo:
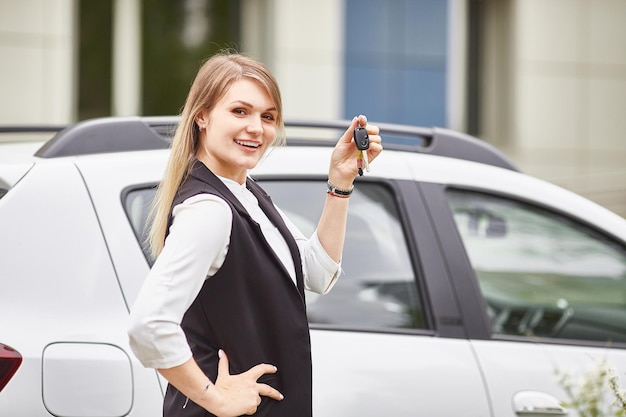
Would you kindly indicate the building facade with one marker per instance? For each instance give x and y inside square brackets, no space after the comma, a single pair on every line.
[543,80]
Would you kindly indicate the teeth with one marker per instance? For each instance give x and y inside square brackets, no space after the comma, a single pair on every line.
[248,144]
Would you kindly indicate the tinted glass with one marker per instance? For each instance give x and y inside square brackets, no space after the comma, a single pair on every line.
[137,206]
[541,273]
[378,286]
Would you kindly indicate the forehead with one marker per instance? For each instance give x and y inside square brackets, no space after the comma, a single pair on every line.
[248,91]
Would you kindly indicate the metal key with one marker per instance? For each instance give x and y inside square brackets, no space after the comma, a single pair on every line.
[360,161]
[366,161]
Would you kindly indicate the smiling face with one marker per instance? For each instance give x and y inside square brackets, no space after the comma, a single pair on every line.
[238,131]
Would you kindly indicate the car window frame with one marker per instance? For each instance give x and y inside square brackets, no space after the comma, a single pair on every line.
[401,191]
[123,199]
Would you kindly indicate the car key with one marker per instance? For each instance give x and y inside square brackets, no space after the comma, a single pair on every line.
[361,138]
[362,142]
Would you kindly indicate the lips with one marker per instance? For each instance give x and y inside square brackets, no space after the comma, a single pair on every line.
[247,143]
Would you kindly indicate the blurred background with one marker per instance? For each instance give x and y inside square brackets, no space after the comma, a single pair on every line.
[542,80]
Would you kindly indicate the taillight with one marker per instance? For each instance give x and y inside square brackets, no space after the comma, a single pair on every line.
[10,360]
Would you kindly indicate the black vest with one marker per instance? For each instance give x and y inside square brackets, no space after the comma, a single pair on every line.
[250,308]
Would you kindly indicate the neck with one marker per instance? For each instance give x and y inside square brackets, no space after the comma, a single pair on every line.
[239,177]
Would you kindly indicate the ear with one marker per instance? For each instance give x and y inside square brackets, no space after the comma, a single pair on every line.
[202,119]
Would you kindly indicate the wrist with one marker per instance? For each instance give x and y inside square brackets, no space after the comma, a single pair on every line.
[336,191]
[340,181]
[206,397]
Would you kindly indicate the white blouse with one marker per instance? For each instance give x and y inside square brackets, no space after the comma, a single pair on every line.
[194,250]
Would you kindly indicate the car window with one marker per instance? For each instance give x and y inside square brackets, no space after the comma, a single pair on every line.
[377,288]
[137,203]
[541,273]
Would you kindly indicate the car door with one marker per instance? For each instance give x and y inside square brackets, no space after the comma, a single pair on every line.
[385,341]
[552,286]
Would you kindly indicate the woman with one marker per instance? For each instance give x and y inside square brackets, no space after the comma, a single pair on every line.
[221,314]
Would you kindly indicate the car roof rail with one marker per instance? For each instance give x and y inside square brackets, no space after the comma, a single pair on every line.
[120,134]
[430,140]
[110,134]
[30,129]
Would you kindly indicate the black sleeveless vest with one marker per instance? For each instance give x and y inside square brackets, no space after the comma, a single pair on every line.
[250,308]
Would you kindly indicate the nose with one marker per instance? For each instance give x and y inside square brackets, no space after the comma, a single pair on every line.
[255,126]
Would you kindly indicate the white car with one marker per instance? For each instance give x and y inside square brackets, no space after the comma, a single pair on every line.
[470,289]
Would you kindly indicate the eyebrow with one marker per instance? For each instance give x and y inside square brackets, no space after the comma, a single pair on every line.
[245,103]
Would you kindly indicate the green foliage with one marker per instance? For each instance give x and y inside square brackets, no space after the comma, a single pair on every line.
[169,62]
[94,58]
[169,59]
[596,393]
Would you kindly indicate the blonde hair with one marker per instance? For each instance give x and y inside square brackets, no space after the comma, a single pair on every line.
[212,82]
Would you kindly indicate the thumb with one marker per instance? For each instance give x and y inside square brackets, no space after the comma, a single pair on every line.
[349,133]
[222,367]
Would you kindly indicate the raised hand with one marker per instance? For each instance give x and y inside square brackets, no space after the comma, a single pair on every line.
[343,162]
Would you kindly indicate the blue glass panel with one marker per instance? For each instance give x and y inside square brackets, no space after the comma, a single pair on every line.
[367,86]
[396,70]
[426,27]
[425,101]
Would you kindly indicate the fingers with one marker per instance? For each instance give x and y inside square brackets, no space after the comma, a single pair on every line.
[253,374]
[254,407]
[241,393]
[261,369]
[222,367]
[263,389]
[372,130]
[376,145]
[361,120]
[349,133]
[268,391]
[343,161]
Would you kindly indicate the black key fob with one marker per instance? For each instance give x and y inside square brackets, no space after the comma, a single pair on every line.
[361,139]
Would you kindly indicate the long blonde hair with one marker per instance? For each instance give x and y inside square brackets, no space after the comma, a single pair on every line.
[211,83]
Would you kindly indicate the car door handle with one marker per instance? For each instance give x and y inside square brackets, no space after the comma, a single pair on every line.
[536,403]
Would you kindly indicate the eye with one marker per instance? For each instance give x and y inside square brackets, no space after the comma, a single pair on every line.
[270,117]
[239,111]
